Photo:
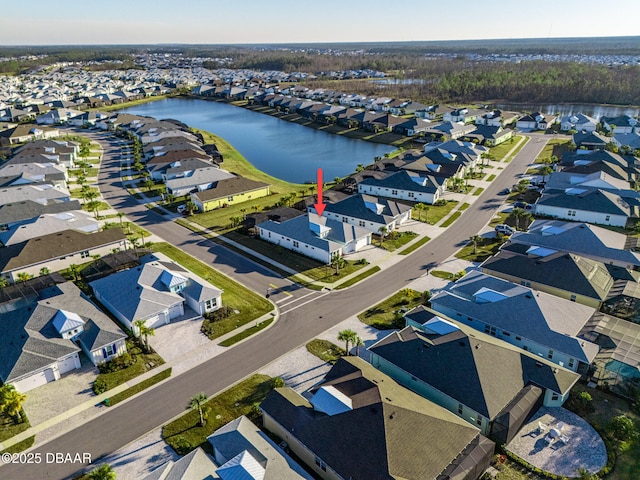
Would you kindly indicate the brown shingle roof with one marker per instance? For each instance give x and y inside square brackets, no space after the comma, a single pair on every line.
[55,245]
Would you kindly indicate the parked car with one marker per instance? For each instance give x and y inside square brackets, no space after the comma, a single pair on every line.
[506,191]
[520,204]
[182,208]
[504,229]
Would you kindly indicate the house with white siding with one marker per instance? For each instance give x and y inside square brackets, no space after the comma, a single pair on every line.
[405,185]
[578,122]
[317,237]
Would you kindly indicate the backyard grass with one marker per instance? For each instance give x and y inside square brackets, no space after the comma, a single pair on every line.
[129,392]
[454,216]
[184,434]
[246,333]
[413,247]
[325,350]
[355,279]
[486,248]
[499,151]
[435,212]
[396,240]
[388,314]
[249,305]
[606,406]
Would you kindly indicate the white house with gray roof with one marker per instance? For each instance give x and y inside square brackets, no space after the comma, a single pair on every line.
[48,223]
[578,122]
[198,179]
[41,193]
[406,185]
[42,340]
[155,291]
[537,322]
[317,237]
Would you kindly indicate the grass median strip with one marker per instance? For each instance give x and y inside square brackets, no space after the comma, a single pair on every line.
[246,333]
[454,216]
[359,277]
[415,246]
[129,392]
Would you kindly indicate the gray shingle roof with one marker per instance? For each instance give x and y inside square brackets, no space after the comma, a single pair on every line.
[27,209]
[538,316]
[488,372]
[402,180]
[356,206]
[392,432]
[581,238]
[591,200]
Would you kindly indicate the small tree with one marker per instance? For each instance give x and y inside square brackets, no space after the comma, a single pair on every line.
[103,472]
[190,207]
[622,428]
[197,403]
[11,402]
[145,332]
[518,214]
[544,171]
[4,281]
[383,232]
[44,271]
[74,270]
[475,239]
[358,342]
[23,277]
[347,336]
[338,262]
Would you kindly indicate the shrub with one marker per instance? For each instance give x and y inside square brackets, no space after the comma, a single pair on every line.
[181,445]
[622,428]
[440,203]
[220,314]
[277,382]
[99,386]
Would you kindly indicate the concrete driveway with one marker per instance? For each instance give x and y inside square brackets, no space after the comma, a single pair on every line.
[179,337]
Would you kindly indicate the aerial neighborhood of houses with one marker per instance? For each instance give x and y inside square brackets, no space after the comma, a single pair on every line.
[486,360]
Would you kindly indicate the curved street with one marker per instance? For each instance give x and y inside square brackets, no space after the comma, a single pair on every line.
[296,325]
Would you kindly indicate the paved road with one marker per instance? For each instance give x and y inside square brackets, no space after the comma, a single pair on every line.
[298,323]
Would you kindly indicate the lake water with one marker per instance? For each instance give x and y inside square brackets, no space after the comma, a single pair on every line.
[283,149]
[591,110]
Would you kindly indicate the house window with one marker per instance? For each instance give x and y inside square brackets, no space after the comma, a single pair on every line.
[524,347]
[550,354]
[84,254]
[571,213]
[109,350]
[321,464]
[479,420]
[230,199]
[607,218]
[573,298]
[269,234]
[525,283]
[411,194]
[460,406]
[491,330]
[394,192]
[518,338]
[296,244]
[554,396]
[506,334]
[362,223]
[345,219]
[209,304]
[570,362]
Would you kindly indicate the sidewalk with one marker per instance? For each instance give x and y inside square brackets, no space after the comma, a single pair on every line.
[88,410]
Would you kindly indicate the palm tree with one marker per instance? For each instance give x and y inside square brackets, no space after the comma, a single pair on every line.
[23,276]
[103,472]
[347,336]
[94,206]
[190,207]
[144,331]
[475,239]
[382,231]
[44,271]
[358,342]
[544,171]
[337,180]
[196,403]
[518,214]
[4,281]
[338,262]
[419,207]
[74,270]
[120,215]
[11,402]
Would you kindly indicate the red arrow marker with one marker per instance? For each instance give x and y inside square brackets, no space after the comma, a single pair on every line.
[320,205]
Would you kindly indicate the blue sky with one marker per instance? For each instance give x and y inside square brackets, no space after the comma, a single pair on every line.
[42,22]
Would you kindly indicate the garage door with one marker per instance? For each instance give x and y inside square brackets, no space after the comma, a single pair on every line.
[156,321]
[35,380]
[176,311]
[67,364]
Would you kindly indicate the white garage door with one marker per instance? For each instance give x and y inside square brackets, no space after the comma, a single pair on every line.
[67,364]
[35,380]
[153,322]
[176,311]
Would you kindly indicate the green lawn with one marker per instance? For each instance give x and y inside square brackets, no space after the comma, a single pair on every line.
[396,240]
[499,151]
[486,248]
[9,428]
[606,406]
[246,333]
[88,172]
[296,261]
[501,217]
[414,246]
[435,212]
[446,275]
[129,392]
[249,304]
[325,350]
[388,314]
[361,276]
[556,146]
[137,368]
[241,399]
[454,216]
